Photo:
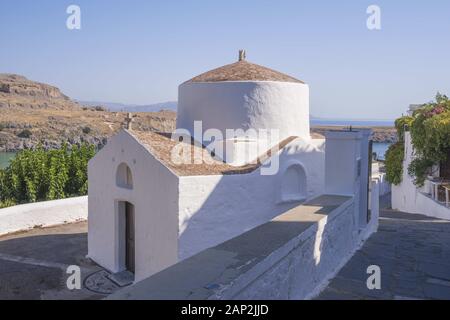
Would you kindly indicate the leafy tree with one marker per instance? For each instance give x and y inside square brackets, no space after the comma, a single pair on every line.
[430,134]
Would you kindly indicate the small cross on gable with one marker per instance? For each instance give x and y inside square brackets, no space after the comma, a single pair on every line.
[128,121]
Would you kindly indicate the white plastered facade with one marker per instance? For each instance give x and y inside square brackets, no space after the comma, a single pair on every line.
[179,216]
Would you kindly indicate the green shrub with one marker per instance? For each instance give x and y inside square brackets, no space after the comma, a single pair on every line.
[430,136]
[394,163]
[7,203]
[37,175]
[86,130]
[25,134]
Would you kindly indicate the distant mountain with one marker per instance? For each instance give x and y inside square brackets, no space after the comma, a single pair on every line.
[114,106]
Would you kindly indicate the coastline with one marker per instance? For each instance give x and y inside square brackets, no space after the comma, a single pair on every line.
[381,134]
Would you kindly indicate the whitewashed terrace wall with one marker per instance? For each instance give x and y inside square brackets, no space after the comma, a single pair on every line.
[309,261]
[43,214]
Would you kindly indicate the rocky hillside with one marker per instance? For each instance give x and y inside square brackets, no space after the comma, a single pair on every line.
[33,113]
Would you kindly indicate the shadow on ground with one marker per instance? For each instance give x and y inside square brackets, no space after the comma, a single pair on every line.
[33,264]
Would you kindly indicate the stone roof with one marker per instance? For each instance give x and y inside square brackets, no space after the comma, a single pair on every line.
[160,145]
[243,71]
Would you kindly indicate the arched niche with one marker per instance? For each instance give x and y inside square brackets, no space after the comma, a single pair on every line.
[124,177]
[293,183]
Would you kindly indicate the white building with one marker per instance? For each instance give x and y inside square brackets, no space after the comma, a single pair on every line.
[147,211]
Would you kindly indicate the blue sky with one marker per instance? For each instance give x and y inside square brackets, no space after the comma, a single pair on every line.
[140,51]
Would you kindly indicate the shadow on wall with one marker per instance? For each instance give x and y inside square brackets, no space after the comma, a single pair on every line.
[214,209]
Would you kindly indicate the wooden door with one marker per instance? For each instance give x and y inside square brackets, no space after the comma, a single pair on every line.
[130,237]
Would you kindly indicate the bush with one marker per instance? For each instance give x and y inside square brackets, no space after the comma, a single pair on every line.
[430,135]
[7,203]
[25,134]
[87,130]
[394,163]
[37,175]
[99,108]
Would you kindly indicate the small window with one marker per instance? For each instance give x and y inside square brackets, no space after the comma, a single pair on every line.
[124,178]
[293,185]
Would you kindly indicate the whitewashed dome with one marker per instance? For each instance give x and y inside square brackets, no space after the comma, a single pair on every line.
[243,95]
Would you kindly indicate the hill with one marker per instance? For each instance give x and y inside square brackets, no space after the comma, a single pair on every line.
[33,113]
[114,106]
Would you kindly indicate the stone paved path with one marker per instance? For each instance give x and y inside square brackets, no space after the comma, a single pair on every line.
[33,264]
[413,252]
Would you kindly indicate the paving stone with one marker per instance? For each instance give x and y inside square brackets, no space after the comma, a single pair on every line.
[330,294]
[413,252]
[435,270]
[438,292]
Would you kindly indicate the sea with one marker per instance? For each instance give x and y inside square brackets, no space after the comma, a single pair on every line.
[379,147]
[5,157]
[354,123]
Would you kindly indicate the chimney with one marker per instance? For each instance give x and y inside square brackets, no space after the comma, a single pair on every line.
[242,55]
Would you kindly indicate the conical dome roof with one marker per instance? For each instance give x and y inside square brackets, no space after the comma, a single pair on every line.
[243,71]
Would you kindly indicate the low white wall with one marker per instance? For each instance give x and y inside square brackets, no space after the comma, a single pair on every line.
[302,267]
[413,201]
[43,214]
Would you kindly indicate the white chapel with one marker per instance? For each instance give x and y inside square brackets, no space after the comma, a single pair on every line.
[148,210]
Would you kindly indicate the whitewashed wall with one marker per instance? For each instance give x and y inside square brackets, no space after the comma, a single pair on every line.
[296,269]
[245,104]
[43,214]
[154,195]
[307,262]
[407,197]
[216,208]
